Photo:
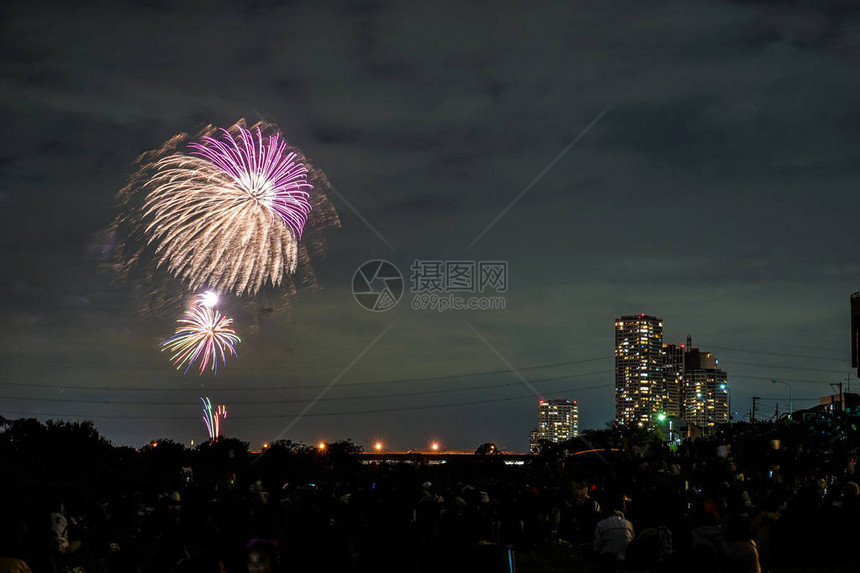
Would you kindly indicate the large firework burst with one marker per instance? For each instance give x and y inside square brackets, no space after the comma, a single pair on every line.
[228,215]
[237,211]
[204,336]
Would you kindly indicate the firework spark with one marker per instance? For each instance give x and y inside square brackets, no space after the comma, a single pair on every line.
[229,214]
[204,336]
[212,418]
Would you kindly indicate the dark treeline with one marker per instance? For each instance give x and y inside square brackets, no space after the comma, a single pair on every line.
[768,496]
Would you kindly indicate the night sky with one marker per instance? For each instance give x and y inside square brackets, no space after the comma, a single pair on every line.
[712,181]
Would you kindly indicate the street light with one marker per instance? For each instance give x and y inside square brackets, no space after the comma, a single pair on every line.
[728,389]
[662,417]
[790,402]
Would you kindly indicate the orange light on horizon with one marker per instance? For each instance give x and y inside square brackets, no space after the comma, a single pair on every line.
[377,446]
[321,445]
[266,446]
[434,446]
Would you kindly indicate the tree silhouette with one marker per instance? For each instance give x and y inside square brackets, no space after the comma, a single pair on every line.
[487,449]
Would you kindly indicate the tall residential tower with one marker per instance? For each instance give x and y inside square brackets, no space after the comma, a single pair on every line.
[639,390]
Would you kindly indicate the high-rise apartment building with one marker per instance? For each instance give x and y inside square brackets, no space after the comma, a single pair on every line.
[638,369]
[706,391]
[672,396]
[558,420]
[855,331]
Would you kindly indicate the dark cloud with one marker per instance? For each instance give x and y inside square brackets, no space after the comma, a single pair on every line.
[425,204]
[163,6]
[328,134]
[682,132]
[7,160]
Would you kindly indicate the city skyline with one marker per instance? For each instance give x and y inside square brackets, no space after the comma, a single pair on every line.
[573,163]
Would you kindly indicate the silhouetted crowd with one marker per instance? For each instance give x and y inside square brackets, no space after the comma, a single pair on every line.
[740,502]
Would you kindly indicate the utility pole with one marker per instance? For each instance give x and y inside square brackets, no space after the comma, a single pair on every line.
[790,400]
[752,415]
[834,387]
[841,398]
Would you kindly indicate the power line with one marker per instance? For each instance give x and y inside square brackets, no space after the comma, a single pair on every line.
[786,367]
[303,400]
[311,415]
[751,351]
[336,398]
[784,399]
[303,386]
[102,365]
[769,378]
[450,377]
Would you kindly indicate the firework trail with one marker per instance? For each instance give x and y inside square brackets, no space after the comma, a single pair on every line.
[223,210]
[204,336]
[212,418]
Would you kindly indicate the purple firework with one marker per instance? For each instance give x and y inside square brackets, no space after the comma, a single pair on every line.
[263,170]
